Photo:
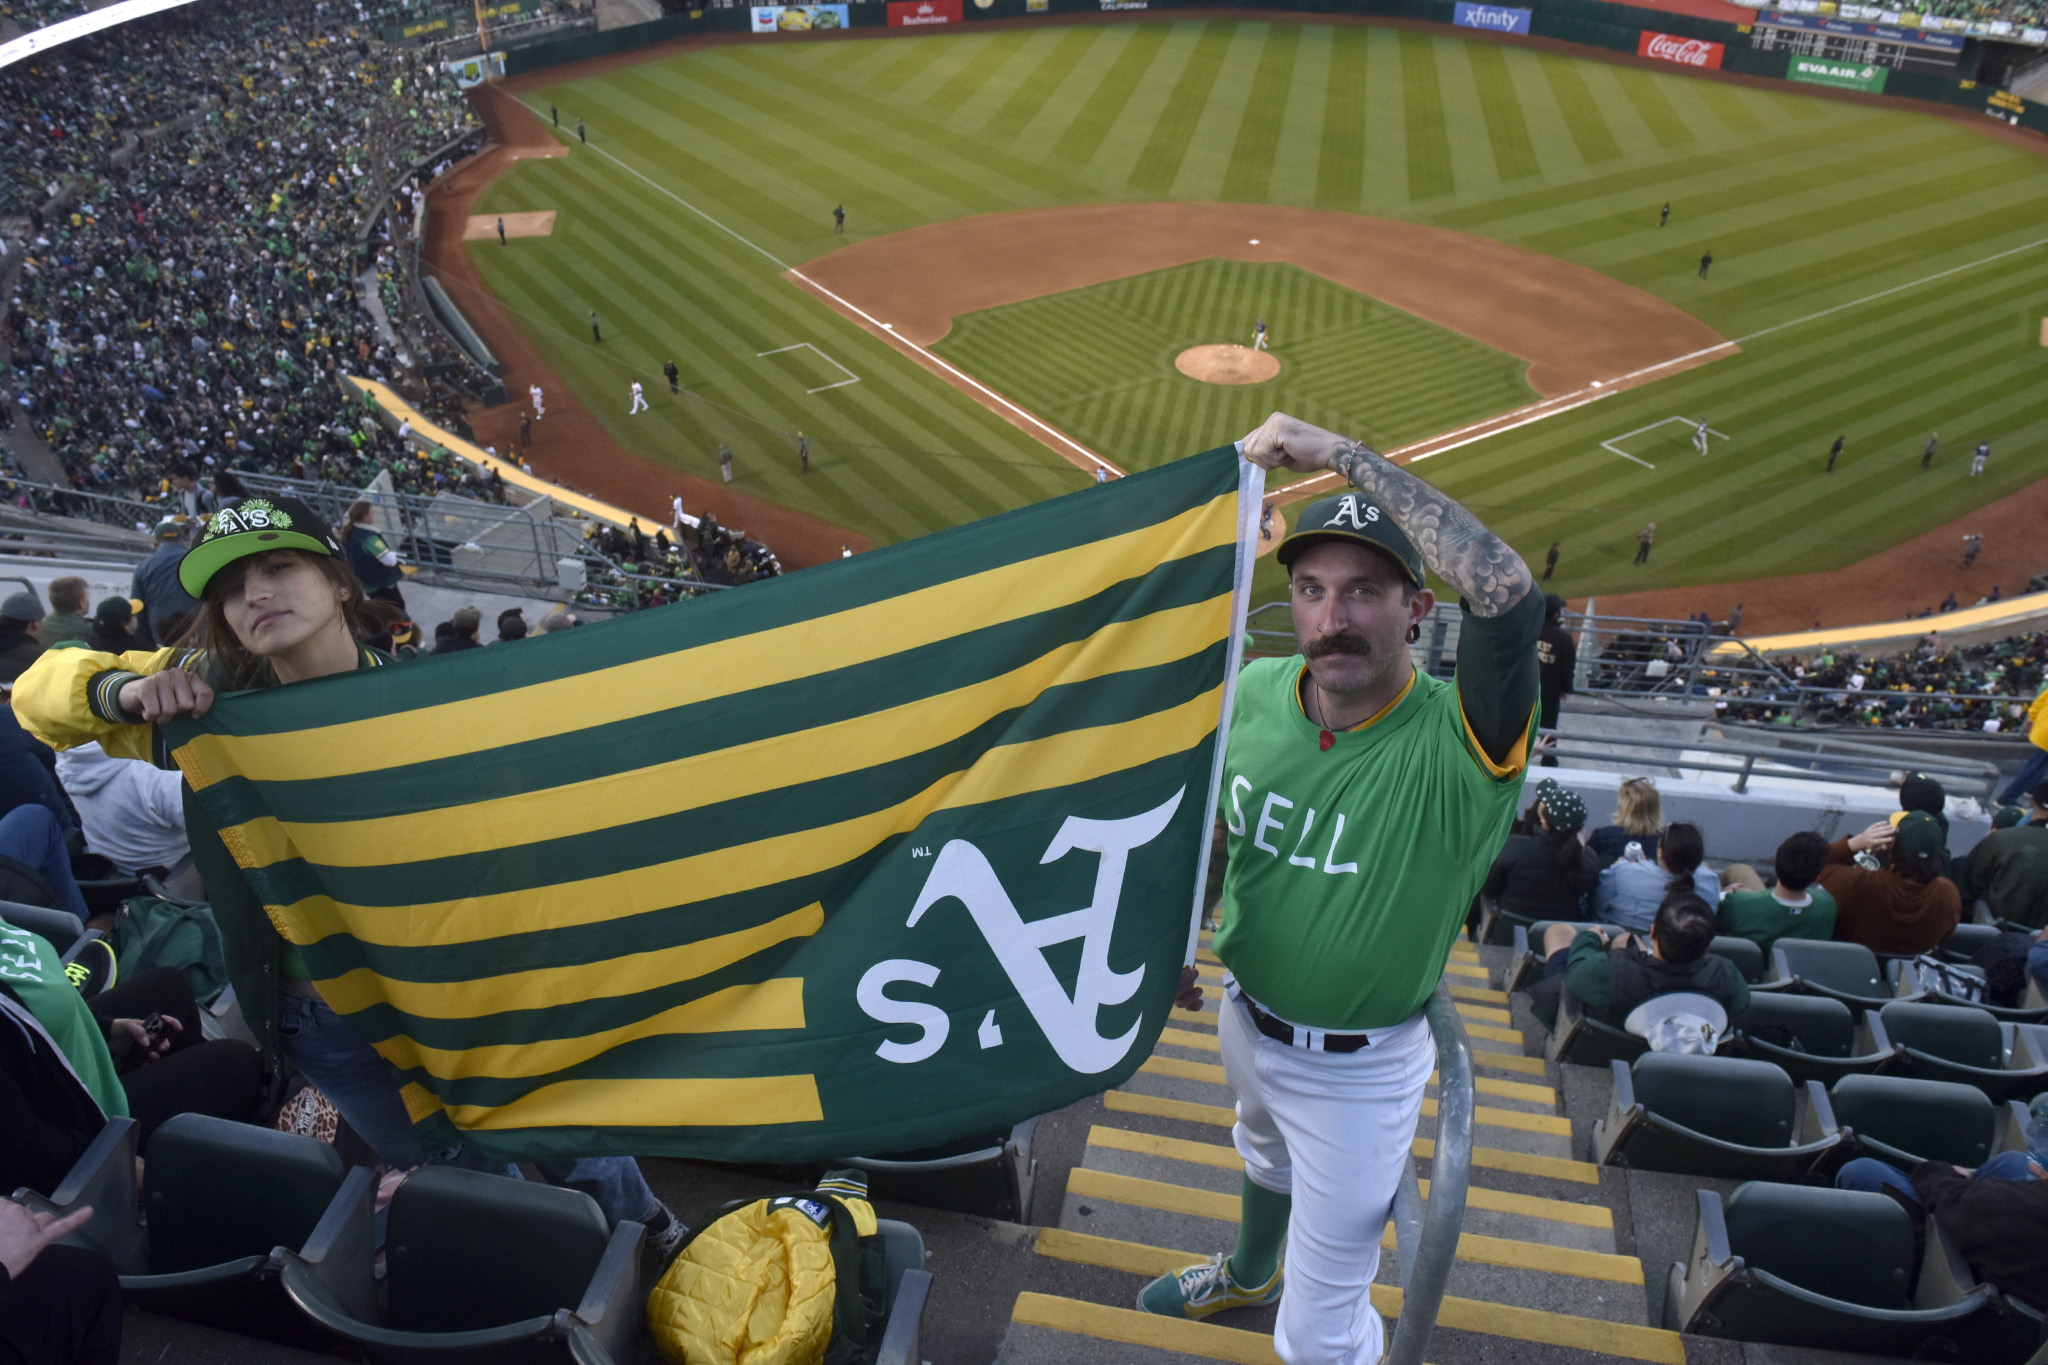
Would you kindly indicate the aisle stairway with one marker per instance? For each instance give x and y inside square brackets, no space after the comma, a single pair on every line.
[1537,1270]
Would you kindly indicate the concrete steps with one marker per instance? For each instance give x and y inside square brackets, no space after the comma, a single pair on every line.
[1539,1270]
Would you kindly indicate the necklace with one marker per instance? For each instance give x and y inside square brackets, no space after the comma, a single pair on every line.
[1328,737]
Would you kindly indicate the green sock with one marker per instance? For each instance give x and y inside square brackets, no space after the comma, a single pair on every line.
[1261,1234]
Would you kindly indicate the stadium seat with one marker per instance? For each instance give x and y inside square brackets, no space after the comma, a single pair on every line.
[62,928]
[480,1269]
[1525,966]
[1906,1121]
[1743,955]
[1581,1040]
[987,1175]
[1965,1044]
[1823,1268]
[1811,1037]
[1498,926]
[1846,971]
[1967,939]
[1715,1116]
[2033,1010]
[221,1199]
[104,1178]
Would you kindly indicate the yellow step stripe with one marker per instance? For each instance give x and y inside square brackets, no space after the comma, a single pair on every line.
[1479,994]
[1211,992]
[1521,1163]
[1127,1102]
[1204,955]
[1224,1208]
[1509,1061]
[1181,1037]
[1487,1033]
[1213,1074]
[1181,1016]
[1225,1157]
[1134,1328]
[1208,972]
[1485,1015]
[1466,969]
[1160,1194]
[1465,1315]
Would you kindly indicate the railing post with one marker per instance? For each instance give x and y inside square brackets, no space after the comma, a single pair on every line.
[1426,1270]
[1742,778]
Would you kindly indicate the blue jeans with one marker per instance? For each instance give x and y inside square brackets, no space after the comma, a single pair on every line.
[30,834]
[2028,778]
[364,1087]
[2037,965]
[1871,1176]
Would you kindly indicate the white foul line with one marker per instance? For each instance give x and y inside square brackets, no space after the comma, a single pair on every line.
[1882,293]
[851,377]
[884,329]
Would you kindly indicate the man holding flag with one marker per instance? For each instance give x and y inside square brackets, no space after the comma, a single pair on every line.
[1363,801]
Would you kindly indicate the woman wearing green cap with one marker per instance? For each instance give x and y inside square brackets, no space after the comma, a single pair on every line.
[1544,872]
[278,605]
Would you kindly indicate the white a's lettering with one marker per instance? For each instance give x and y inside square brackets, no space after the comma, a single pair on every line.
[963,872]
[1348,509]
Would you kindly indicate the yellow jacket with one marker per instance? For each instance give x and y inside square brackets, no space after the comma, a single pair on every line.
[2037,720]
[70,697]
[757,1287]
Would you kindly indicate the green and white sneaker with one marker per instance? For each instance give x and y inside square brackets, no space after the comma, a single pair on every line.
[1203,1289]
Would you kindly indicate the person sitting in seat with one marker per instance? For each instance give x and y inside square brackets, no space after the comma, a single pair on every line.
[1996,1217]
[1630,891]
[2008,869]
[1902,905]
[1545,873]
[1794,908]
[1922,793]
[1638,819]
[1611,973]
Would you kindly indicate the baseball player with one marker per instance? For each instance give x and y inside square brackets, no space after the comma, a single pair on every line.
[673,375]
[1664,216]
[501,229]
[1699,437]
[1259,336]
[1977,461]
[803,451]
[596,332]
[1706,263]
[1645,538]
[1927,455]
[1101,475]
[1363,802]
[540,408]
[1835,452]
[1973,545]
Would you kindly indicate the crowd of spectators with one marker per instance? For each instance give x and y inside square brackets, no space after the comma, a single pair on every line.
[1939,687]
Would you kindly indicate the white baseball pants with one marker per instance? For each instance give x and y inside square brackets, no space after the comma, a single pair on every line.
[1333,1131]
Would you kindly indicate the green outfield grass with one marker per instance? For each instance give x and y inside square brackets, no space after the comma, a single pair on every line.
[1098,363]
[1808,204]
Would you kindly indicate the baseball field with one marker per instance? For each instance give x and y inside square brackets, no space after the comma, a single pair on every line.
[1881,272]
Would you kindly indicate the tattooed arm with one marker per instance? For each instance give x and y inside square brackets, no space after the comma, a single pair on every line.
[1484,569]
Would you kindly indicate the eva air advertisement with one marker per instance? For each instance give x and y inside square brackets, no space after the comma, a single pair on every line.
[1841,75]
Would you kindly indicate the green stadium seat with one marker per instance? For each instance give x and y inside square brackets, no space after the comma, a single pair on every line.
[60,927]
[1965,1044]
[1745,956]
[1820,1268]
[104,1178]
[1966,940]
[1497,926]
[1906,1121]
[480,1270]
[1811,1037]
[1848,972]
[1578,1039]
[986,1175]
[1725,1117]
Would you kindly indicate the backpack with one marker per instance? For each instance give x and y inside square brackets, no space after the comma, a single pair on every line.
[152,932]
[796,1279]
[1943,977]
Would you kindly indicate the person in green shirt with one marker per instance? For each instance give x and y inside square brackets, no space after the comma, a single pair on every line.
[67,619]
[1363,802]
[1797,907]
[2008,869]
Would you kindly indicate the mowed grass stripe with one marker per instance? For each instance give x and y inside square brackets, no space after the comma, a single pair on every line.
[1250,171]
[1514,156]
[1031,94]
[1098,114]
[1159,163]
[1340,168]
[1588,126]
[1429,147]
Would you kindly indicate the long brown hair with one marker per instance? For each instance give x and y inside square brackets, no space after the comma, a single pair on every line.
[234,666]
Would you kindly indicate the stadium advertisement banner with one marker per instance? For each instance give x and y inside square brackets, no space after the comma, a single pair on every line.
[921,13]
[1840,75]
[1883,33]
[1666,47]
[1492,18]
[907,847]
[799,18]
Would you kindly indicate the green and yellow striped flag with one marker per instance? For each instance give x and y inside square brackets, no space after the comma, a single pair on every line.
[859,860]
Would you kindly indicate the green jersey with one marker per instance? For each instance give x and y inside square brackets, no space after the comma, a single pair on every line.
[1763,919]
[1351,869]
[29,964]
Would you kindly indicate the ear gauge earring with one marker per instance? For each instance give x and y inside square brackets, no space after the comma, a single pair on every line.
[1414,634]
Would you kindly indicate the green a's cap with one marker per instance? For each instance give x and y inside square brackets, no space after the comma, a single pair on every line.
[252,527]
[2007,817]
[1356,518]
[1916,834]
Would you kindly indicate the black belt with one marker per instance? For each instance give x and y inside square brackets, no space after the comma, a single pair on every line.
[1280,1031]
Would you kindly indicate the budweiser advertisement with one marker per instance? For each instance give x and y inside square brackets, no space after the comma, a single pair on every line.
[918,13]
[1666,48]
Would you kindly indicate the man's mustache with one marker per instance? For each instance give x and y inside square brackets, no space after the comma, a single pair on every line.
[1345,642]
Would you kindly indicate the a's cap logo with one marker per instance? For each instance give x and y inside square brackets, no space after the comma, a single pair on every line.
[255,514]
[1349,509]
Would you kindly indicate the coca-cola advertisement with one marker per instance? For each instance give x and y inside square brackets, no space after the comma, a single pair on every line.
[1685,51]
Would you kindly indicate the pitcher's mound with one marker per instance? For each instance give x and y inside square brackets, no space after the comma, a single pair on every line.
[1227,364]
[484,225]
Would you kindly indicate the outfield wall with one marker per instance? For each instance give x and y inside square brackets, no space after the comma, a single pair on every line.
[1583,23]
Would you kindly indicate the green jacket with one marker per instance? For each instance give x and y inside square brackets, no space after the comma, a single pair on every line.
[2008,871]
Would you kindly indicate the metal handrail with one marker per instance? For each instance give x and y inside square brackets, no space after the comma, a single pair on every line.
[1867,766]
[1426,1232]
